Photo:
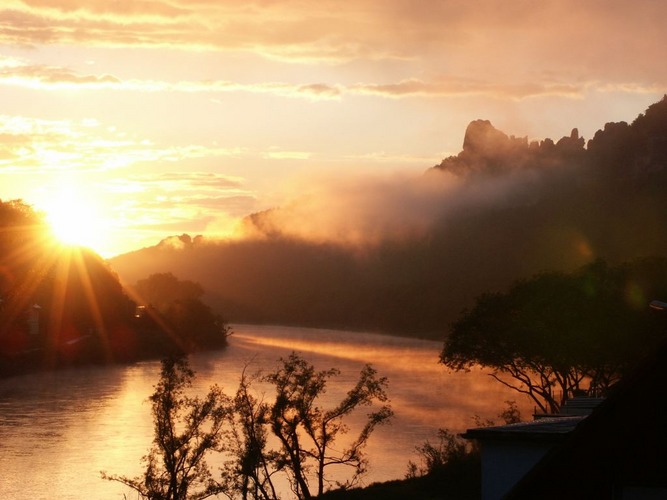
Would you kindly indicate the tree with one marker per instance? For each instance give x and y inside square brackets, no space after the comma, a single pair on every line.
[250,470]
[22,230]
[449,448]
[298,386]
[25,251]
[305,431]
[557,334]
[161,290]
[452,464]
[186,429]
[178,308]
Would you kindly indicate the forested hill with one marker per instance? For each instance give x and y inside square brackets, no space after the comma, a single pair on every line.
[504,208]
[61,305]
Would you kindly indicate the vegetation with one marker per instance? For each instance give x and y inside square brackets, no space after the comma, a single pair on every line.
[161,290]
[448,449]
[177,306]
[62,305]
[188,429]
[308,434]
[448,468]
[295,411]
[560,334]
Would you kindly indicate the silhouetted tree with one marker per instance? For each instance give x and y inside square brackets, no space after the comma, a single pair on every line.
[186,430]
[24,247]
[448,448]
[557,334]
[307,433]
[250,470]
[161,290]
[451,465]
[178,303]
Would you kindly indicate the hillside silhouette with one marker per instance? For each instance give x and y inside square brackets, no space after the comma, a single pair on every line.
[63,305]
[415,254]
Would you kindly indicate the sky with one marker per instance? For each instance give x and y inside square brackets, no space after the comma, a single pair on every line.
[128,121]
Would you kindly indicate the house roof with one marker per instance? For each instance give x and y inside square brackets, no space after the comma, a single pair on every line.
[620,445]
[553,429]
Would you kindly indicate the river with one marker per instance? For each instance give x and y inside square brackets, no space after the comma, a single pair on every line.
[58,430]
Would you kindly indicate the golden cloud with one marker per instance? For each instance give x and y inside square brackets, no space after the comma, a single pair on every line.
[513,44]
[179,201]
[29,145]
[486,33]
[19,73]
[458,87]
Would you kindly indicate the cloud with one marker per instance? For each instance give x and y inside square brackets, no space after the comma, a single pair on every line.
[458,87]
[17,72]
[173,224]
[176,196]
[210,180]
[180,186]
[397,159]
[599,38]
[40,76]
[361,209]
[287,155]
[321,90]
[30,145]
[14,72]
[235,205]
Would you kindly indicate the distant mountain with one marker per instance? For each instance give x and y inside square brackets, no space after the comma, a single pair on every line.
[510,208]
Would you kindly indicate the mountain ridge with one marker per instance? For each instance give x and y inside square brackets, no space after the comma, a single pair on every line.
[509,208]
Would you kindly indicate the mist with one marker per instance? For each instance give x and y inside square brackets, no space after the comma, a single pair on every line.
[406,253]
[365,211]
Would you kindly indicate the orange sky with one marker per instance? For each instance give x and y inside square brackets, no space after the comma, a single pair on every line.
[159,117]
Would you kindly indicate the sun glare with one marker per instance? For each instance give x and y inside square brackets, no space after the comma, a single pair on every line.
[74,220]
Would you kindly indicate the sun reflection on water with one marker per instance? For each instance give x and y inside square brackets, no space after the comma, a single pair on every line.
[65,427]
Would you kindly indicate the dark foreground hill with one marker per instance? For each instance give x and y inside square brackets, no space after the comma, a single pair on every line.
[512,208]
[62,306]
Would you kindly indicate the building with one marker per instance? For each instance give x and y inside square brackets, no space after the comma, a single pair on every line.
[619,451]
[510,451]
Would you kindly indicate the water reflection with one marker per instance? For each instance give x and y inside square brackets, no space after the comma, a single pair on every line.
[53,432]
[58,430]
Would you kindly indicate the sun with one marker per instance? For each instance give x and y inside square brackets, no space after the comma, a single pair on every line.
[75,219]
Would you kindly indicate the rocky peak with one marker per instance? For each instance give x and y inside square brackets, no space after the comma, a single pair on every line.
[482,138]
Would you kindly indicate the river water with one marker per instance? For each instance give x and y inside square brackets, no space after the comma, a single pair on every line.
[59,430]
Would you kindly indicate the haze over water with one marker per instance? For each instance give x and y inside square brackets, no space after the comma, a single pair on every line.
[58,430]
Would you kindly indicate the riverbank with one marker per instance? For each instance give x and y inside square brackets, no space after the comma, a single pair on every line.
[118,346]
